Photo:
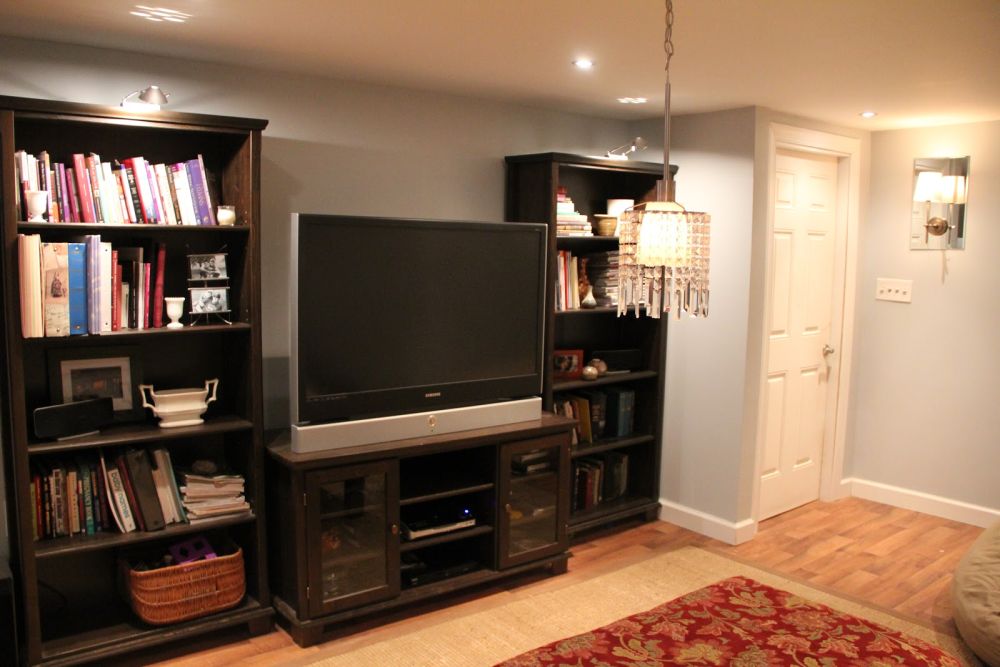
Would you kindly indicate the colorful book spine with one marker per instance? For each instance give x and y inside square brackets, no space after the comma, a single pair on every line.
[93,246]
[154,190]
[157,303]
[199,192]
[182,186]
[83,188]
[77,288]
[147,271]
[55,271]
[106,281]
[93,163]
[29,252]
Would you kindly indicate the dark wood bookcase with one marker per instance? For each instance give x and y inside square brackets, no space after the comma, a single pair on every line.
[532,182]
[71,609]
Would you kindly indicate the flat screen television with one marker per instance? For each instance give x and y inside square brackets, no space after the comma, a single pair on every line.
[394,316]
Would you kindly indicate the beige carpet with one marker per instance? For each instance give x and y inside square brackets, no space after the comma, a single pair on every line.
[511,628]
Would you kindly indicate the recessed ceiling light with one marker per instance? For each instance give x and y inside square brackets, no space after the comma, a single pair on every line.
[632,100]
[160,14]
[868,114]
[584,63]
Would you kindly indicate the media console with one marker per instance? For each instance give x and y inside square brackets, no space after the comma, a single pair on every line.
[338,549]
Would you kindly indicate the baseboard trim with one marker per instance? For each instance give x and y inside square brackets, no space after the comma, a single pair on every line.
[918,501]
[707,524]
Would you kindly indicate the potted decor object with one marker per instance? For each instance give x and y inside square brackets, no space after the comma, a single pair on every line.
[179,407]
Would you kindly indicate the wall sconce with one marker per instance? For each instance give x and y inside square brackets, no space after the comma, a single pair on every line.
[149,99]
[940,192]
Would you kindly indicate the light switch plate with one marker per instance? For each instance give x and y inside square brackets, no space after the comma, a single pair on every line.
[894,289]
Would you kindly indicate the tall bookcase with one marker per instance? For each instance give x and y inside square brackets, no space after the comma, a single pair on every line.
[532,183]
[70,607]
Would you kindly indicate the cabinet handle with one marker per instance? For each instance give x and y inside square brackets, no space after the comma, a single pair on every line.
[394,529]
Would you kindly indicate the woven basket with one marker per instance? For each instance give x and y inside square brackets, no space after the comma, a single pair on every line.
[182,592]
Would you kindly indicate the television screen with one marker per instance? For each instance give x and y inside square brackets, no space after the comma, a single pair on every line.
[395,315]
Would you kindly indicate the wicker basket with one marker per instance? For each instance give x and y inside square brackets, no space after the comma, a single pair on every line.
[182,592]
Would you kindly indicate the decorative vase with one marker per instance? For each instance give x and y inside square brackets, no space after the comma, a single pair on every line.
[38,203]
[175,308]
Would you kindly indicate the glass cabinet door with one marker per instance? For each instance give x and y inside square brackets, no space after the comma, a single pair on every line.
[353,516]
[534,485]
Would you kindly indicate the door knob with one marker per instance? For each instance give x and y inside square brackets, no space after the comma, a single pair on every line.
[828,350]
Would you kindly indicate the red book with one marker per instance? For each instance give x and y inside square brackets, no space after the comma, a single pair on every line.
[116,292]
[146,272]
[161,261]
[130,491]
[83,188]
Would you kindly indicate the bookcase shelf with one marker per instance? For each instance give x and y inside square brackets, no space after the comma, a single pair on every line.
[444,538]
[76,614]
[449,493]
[62,546]
[532,183]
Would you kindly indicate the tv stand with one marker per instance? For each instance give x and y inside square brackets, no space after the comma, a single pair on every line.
[337,548]
[335,435]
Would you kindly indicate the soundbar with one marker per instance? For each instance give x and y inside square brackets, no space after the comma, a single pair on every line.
[321,437]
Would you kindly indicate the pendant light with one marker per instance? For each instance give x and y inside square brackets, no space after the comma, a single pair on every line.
[663,261]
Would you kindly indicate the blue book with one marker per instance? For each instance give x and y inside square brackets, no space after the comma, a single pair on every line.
[77,288]
[94,283]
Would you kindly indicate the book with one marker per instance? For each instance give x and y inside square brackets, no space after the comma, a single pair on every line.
[166,198]
[76,208]
[133,502]
[126,192]
[157,303]
[93,246]
[161,480]
[133,192]
[78,311]
[199,192]
[29,262]
[620,411]
[87,525]
[140,177]
[131,260]
[182,186]
[140,475]
[93,164]
[55,300]
[146,273]
[117,498]
[106,279]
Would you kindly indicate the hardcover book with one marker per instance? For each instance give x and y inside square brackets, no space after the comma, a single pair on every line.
[78,310]
[141,475]
[55,272]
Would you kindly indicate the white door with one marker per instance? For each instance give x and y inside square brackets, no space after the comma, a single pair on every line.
[801,306]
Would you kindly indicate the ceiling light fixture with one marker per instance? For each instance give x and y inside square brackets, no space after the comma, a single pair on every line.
[160,14]
[868,114]
[584,63]
[149,99]
[632,100]
[663,259]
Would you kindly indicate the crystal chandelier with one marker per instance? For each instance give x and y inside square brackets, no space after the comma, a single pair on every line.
[663,249]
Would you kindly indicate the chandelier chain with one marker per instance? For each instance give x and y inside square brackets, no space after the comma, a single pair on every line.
[668,37]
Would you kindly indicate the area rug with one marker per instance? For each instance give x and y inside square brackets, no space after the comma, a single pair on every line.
[738,621]
[536,615]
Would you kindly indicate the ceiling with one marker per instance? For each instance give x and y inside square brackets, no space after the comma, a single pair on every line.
[916,62]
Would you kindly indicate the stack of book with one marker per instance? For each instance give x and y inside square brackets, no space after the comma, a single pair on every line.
[129,191]
[132,490]
[603,272]
[88,287]
[208,496]
[568,221]
[589,409]
[598,479]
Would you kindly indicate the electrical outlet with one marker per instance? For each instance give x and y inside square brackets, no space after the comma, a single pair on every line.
[894,289]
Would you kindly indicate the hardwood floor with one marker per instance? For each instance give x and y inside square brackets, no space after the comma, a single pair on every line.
[885,556]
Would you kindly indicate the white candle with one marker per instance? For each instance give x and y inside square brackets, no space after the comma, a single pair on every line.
[226,215]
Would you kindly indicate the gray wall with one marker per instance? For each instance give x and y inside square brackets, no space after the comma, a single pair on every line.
[331,147]
[927,374]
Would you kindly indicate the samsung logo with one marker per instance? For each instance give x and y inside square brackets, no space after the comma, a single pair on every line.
[433,394]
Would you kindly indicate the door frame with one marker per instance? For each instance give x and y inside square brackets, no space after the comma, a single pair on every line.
[847,150]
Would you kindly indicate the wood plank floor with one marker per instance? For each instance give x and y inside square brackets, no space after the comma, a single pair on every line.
[884,556]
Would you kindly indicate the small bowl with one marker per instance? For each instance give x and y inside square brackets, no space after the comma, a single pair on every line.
[606,224]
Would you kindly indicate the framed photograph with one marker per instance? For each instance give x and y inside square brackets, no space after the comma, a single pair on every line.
[82,374]
[209,300]
[567,364]
[208,267]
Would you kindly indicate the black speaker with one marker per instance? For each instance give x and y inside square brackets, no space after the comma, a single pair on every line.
[68,419]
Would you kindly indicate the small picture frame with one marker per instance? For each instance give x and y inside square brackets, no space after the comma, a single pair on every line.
[208,267]
[567,364]
[82,374]
[209,300]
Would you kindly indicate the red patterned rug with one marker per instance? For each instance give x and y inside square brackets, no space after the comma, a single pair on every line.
[741,622]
